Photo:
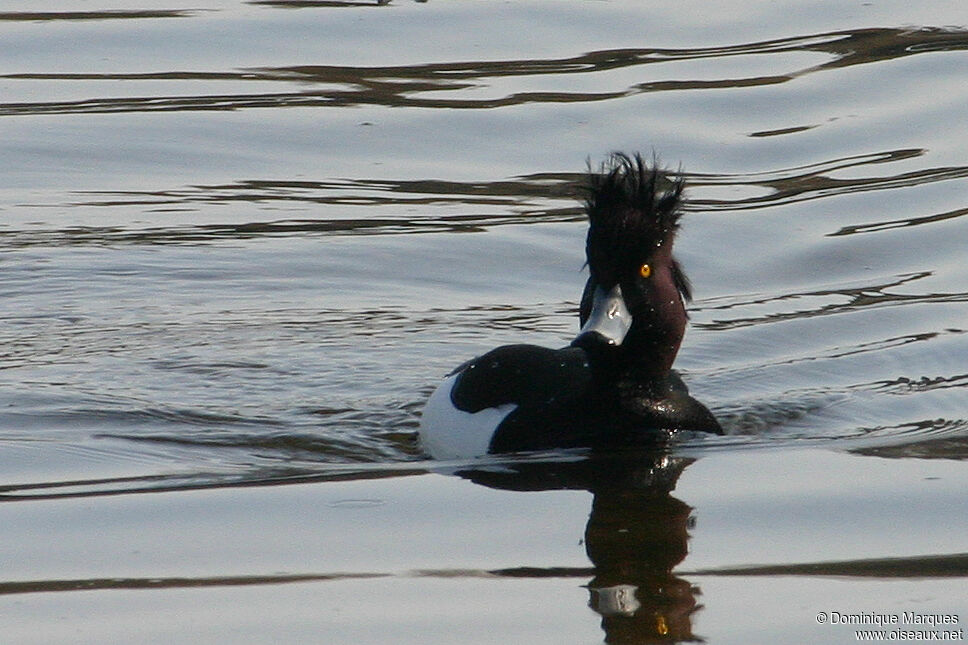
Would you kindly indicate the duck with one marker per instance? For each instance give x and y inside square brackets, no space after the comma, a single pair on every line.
[613,385]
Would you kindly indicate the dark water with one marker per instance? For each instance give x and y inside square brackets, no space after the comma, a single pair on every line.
[241,242]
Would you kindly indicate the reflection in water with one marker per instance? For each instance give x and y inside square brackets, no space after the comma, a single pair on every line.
[847,299]
[813,181]
[636,534]
[112,14]
[538,197]
[301,4]
[873,227]
[407,85]
[215,479]
[528,199]
[114,584]
[954,565]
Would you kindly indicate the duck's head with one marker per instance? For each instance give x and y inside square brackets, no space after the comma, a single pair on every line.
[632,311]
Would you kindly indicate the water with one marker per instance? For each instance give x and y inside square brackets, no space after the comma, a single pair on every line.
[240,243]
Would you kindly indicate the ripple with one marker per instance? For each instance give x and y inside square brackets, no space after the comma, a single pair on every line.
[114,14]
[403,86]
[816,180]
[830,301]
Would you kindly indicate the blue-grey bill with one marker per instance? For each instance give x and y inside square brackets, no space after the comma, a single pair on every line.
[609,316]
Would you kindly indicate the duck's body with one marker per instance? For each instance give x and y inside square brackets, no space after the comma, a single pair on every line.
[613,386]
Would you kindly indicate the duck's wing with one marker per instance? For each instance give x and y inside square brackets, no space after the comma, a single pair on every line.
[523,375]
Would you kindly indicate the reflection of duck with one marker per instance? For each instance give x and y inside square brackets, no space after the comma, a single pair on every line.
[637,532]
[614,385]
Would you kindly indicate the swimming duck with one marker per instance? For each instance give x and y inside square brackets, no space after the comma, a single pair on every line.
[614,385]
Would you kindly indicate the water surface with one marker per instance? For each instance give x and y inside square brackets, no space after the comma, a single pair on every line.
[240,242]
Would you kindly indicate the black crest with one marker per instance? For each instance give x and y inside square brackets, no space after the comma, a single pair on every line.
[633,210]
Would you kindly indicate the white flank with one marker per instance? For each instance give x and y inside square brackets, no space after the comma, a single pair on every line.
[449,433]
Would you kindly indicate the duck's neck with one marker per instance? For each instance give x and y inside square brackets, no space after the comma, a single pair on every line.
[643,379]
[652,353]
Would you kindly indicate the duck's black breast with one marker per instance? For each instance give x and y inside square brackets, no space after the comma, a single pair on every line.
[666,404]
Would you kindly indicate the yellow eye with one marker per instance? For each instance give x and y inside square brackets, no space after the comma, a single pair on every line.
[645,270]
